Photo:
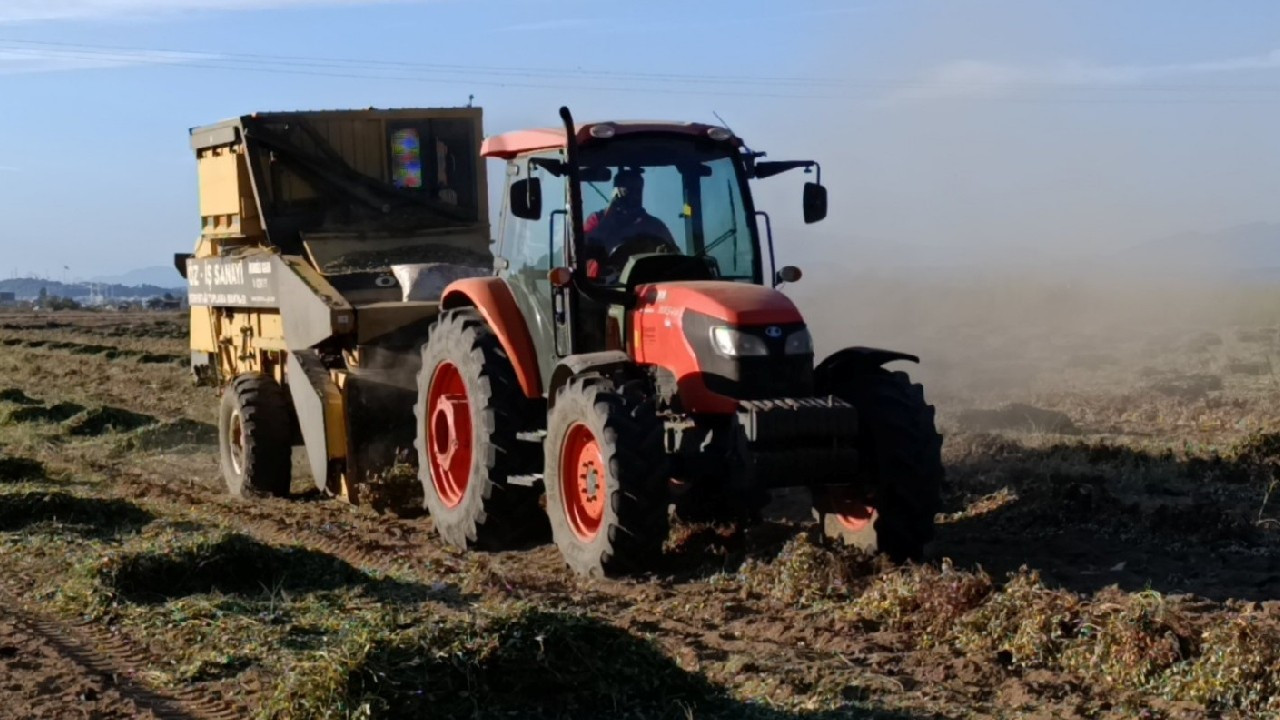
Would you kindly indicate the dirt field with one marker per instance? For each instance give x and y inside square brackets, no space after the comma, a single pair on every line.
[1109,550]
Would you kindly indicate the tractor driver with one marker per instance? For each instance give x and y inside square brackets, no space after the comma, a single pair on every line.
[623,219]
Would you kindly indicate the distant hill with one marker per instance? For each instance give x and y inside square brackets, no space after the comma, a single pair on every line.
[1249,250]
[29,288]
[165,276]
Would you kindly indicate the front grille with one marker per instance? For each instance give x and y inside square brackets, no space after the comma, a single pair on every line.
[773,377]
[814,420]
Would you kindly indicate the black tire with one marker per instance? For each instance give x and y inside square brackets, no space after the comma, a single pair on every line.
[488,513]
[632,525]
[901,449]
[255,437]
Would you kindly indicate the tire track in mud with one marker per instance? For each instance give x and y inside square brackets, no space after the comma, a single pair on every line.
[98,651]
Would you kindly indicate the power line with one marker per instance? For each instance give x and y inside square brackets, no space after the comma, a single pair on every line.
[186,56]
[469,69]
[495,76]
[220,64]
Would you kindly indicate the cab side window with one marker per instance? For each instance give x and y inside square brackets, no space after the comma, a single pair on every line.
[529,245]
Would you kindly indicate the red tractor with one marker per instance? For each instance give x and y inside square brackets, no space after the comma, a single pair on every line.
[630,354]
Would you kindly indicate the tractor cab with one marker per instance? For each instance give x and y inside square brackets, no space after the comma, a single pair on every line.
[659,202]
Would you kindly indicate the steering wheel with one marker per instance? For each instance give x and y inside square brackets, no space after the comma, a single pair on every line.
[640,244]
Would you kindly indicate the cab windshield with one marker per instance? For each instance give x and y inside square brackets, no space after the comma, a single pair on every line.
[665,194]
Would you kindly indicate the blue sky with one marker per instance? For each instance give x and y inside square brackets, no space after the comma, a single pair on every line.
[964,126]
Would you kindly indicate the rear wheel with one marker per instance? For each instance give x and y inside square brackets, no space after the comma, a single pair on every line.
[255,437]
[901,450]
[605,476]
[468,413]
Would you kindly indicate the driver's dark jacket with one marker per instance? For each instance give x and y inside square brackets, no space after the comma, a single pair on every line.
[607,230]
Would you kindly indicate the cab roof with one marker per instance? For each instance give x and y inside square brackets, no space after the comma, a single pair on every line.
[518,142]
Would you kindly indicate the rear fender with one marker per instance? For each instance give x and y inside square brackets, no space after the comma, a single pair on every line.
[854,361]
[491,297]
[602,362]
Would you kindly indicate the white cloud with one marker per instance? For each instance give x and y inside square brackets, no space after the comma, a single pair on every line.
[16,61]
[540,25]
[972,78]
[36,10]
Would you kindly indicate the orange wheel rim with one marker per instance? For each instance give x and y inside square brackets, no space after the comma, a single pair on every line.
[852,513]
[582,482]
[448,434]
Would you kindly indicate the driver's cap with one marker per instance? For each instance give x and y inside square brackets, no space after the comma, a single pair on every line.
[628,179]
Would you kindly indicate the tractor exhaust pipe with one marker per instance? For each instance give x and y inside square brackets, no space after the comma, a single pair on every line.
[575,186]
[582,283]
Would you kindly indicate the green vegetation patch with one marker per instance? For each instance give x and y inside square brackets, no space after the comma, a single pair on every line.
[15,396]
[90,517]
[231,563]
[60,412]
[172,435]
[1226,660]
[521,663]
[106,419]
[160,359]
[20,469]
[805,572]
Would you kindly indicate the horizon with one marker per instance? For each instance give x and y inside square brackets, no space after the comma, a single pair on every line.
[987,129]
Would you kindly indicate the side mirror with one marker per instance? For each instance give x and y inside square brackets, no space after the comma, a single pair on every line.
[815,202]
[787,274]
[526,198]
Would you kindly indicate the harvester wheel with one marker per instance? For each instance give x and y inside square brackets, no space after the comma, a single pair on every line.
[901,449]
[606,476]
[468,413]
[255,437]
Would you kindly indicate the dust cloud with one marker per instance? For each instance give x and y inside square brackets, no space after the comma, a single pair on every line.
[1000,333]
[1017,230]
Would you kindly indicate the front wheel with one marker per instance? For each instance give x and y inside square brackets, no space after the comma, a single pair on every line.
[605,477]
[901,451]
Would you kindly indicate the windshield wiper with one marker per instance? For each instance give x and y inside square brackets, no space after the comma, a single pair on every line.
[731,233]
[720,240]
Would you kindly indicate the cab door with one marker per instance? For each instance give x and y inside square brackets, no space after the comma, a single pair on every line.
[527,251]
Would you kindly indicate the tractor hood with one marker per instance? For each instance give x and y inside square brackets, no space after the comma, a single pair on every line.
[737,304]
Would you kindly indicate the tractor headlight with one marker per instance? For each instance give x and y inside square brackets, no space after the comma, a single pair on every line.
[800,342]
[735,343]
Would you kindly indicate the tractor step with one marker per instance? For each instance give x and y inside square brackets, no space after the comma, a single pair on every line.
[524,480]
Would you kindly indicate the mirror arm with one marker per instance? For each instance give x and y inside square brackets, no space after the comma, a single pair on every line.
[551,165]
[771,168]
